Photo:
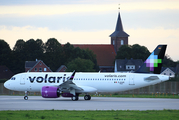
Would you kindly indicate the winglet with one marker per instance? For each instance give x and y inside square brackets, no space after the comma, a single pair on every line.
[73,75]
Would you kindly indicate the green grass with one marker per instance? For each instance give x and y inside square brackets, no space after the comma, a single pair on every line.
[175,96]
[90,115]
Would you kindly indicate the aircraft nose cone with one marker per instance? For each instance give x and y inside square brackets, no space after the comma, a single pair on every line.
[7,84]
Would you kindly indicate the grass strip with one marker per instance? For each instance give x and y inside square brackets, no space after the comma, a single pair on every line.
[90,115]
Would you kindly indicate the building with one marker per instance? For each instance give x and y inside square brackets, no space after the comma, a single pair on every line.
[119,36]
[127,65]
[106,53]
[170,71]
[62,68]
[36,66]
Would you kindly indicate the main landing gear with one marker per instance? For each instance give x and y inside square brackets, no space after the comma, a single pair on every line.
[26,95]
[76,97]
[87,97]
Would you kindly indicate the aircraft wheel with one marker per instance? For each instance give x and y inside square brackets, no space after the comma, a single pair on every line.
[25,97]
[74,98]
[87,97]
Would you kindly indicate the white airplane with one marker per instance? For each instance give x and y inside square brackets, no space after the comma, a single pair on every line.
[66,84]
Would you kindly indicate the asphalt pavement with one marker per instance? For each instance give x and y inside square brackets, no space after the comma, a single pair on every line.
[96,103]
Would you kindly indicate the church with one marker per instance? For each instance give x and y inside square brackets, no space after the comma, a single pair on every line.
[106,53]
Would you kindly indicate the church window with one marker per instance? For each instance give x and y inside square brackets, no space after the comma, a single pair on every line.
[122,42]
[113,42]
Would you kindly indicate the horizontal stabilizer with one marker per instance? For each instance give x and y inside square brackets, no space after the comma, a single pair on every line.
[152,78]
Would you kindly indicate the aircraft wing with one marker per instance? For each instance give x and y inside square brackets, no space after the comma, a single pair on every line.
[69,84]
[72,87]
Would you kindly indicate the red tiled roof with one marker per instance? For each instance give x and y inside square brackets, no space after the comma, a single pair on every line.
[105,54]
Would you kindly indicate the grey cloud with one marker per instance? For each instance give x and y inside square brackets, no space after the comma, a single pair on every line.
[167,19]
[151,19]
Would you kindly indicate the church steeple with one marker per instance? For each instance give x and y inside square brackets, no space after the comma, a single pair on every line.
[119,37]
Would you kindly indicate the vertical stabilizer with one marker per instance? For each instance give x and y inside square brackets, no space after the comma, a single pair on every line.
[153,64]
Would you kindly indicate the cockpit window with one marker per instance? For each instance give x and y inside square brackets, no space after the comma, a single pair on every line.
[13,78]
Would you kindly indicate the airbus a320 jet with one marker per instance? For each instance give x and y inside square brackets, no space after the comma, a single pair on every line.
[68,84]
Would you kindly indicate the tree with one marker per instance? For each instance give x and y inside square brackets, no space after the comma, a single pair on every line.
[125,51]
[18,56]
[135,51]
[33,50]
[26,51]
[19,46]
[5,54]
[71,53]
[53,54]
[52,45]
[88,54]
[140,52]
[168,62]
[81,65]
[41,45]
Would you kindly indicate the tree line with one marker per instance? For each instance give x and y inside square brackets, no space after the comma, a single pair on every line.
[52,53]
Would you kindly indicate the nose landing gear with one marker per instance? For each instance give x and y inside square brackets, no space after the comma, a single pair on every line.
[26,95]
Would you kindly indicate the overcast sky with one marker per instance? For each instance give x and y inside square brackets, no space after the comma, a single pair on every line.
[148,22]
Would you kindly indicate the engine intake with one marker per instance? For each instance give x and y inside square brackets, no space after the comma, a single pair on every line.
[50,92]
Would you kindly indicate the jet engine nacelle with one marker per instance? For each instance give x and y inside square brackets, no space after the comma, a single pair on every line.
[50,92]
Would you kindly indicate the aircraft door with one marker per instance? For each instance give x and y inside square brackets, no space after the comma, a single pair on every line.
[22,80]
[131,80]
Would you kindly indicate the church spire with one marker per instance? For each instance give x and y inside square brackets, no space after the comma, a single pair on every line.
[119,32]
[119,37]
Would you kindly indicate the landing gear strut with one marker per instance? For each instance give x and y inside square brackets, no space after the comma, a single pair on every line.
[26,95]
[87,97]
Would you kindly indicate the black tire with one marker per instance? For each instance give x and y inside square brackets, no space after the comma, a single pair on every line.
[25,97]
[74,98]
[87,97]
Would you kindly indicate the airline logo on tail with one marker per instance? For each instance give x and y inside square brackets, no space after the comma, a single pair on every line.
[152,61]
[153,64]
